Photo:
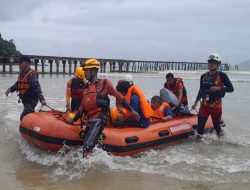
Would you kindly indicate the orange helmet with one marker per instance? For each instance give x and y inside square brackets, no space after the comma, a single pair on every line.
[91,64]
[79,73]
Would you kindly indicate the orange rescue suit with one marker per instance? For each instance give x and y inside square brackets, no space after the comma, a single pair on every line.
[74,90]
[89,100]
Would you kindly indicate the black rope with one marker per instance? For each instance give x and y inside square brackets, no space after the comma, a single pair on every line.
[53,110]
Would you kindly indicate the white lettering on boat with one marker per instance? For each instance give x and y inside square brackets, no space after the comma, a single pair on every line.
[180,127]
[37,129]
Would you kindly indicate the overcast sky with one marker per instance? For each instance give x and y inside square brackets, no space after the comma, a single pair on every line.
[167,30]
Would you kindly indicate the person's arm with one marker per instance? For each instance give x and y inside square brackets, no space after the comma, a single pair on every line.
[165,85]
[78,114]
[13,88]
[68,95]
[228,86]
[180,91]
[134,106]
[199,95]
[120,98]
[113,92]
[167,114]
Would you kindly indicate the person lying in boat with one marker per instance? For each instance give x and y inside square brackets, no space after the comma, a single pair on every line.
[74,91]
[161,109]
[137,100]
[95,105]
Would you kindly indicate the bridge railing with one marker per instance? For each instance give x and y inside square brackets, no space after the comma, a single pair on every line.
[67,65]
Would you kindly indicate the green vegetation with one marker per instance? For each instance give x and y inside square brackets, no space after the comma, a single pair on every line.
[8,48]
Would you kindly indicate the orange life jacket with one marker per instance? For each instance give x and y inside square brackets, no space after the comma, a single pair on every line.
[175,90]
[114,112]
[159,112]
[145,106]
[23,84]
[90,97]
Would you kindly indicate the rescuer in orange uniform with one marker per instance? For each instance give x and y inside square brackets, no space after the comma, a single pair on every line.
[95,105]
[74,91]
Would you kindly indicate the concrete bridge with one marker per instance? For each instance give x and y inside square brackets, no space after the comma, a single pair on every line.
[67,65]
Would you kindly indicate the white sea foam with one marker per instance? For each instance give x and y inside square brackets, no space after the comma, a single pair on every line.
[190,161]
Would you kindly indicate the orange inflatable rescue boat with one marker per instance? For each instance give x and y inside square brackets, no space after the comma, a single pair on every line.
[48,131]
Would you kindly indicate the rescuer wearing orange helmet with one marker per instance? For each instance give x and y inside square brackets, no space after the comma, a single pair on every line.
[74,90]
[95,105]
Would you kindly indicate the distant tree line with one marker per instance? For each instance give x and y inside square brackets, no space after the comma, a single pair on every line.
[8,48]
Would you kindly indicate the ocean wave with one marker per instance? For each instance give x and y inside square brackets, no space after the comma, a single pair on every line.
[189,161]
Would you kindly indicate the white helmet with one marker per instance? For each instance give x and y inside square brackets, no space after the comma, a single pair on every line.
[214,57]
[128,77]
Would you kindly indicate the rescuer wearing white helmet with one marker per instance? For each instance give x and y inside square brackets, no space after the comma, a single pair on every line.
[213,86]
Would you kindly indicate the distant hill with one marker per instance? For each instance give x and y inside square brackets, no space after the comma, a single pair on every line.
[245,64]
[8,48]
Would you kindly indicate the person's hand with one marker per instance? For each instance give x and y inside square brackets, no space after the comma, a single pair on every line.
[68,120]
[164,118]
[135,115]
[194,106]
[44,103]
[214,88]
[7,92]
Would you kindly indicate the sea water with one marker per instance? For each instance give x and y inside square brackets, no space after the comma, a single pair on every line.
[212,164]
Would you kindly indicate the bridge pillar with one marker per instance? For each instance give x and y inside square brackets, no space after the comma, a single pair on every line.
[36,61]
[51,66]
[64,63]
[43,63]
[75,65]
[57,65]
[70,65]
[2,60]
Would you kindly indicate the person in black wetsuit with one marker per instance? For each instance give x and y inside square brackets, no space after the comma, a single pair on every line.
[213,86]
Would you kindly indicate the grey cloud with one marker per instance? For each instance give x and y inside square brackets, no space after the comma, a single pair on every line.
[142,29]
[11,10]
